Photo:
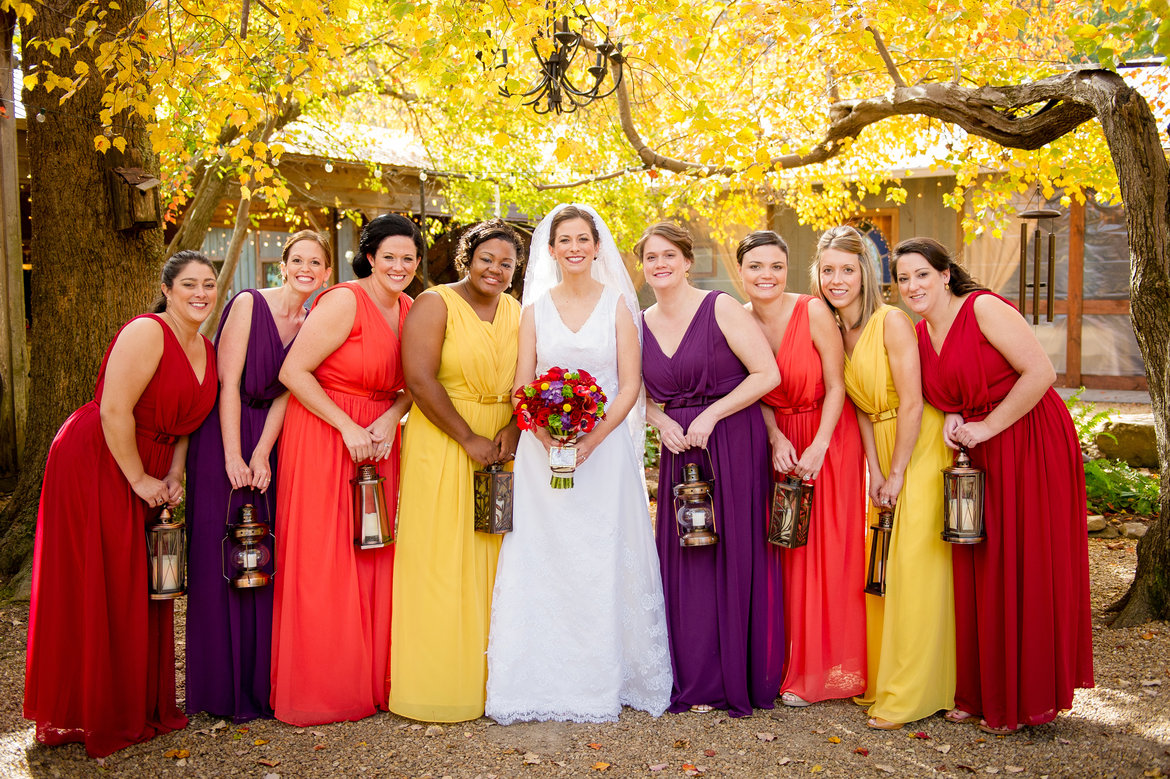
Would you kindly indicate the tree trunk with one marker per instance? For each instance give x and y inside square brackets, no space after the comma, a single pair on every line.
[87,278]
[1144,176]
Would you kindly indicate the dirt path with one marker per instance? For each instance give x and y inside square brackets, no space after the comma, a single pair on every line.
[1121,728]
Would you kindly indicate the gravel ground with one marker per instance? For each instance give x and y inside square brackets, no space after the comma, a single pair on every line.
[1121,728]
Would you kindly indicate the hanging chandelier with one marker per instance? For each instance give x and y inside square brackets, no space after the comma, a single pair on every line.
[556,89]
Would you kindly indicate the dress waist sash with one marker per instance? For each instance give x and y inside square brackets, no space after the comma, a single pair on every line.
[699,400]
[786,410]
[505,397]
[882,416]
[361,393]
[156,435]
[980,411]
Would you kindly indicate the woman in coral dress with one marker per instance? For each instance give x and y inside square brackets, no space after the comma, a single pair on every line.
[708,364]
[331,615]
[462,339]
[101,654]
[814,435]
[1023,629]
[229,630]
[912,628]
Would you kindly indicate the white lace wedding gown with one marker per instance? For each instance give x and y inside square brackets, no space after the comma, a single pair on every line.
[578,621]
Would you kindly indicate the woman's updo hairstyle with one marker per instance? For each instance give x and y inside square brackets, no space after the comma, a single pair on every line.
[171,270]
[940,259]
[308,235]
[378,230]
[755,240]
[848,239]
[672,232]
[481,233]
[569,213]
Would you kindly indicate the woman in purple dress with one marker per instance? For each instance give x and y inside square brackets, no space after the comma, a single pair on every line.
[231,462]
[707,362]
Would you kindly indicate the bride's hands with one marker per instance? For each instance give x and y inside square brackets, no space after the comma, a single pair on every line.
[545,438]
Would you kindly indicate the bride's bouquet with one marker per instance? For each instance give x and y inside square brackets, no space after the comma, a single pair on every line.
[565,403]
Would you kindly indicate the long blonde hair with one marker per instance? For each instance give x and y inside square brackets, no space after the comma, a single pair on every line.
[845,238]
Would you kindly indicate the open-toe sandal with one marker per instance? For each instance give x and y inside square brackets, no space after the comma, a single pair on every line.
[794,700]
[958,715]
[877,723]
[1005,731]
[701,708]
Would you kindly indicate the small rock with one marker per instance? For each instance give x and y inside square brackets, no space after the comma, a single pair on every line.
[1151,682]
[1097,523]
[1108,532]
[1014,769]
[1134,529]
[433,730]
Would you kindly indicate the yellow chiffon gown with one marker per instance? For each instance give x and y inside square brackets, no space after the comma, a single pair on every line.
[444,571]
[911,631]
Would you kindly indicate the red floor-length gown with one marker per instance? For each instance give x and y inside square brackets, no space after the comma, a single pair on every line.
[1023,630]
[824,581]
[101,654]
[331,616]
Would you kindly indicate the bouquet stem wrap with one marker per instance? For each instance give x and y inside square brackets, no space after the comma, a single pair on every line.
[566,403]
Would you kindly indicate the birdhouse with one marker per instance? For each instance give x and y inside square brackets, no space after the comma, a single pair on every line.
[134,199]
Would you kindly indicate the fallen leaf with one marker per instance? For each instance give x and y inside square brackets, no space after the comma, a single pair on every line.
[433,730]
[177,754]
[681,743]
[1118,545]
[834,739]
[659,767]
[861,751]
[318,747]
[784,761]
[1148,636]
[1151,682]
[319,734]
[220,725]
[980,741]
[991,770]
[766,736]
[1153,772]
[888,769]
[599,766]
[259,742]
[594,746]
[688,767]
[271,762]
[561,763]
[919,734]
[966,768]
[709,752]
[1014,769]
[242,729]
[181,761]
[412,727]
[816,769]
[1063,741]
[944,748]
[531,758]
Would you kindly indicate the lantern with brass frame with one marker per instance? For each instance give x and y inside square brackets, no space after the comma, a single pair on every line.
[166,554]
[791,512]
[694,507]
[879,551]
[963,502]
[244,563]
[372,527]
[493,500]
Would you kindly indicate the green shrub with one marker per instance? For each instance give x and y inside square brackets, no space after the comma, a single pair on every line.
[650,455]
[1113,487]
[1087,420]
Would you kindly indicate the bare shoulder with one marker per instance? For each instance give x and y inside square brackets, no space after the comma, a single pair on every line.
[142,332]
[819,313]
[897,323]
[730,311]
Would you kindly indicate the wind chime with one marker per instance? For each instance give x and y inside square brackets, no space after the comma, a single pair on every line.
[1037,241]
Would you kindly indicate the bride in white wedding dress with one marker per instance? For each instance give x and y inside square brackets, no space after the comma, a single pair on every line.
[578,622]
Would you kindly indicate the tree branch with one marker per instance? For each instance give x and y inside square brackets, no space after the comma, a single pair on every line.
[590,179]
[891,68]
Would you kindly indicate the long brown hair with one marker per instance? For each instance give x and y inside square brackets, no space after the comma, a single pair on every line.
[940,259]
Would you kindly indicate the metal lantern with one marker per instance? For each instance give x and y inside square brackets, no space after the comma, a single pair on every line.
[963,502]
[791,512]
[372,528]
[493,500]
[166,555]
[879,552]
[244,564]
[694,510]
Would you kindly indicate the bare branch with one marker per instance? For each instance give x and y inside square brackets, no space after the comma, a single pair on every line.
[590,179]
[891,68]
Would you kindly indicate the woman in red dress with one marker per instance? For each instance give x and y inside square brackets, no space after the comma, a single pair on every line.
[331,617]
[101,654]
[1023,629]
[813,431]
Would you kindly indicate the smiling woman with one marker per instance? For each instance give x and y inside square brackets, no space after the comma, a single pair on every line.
[331,615]
[100,651]
[232,460]
[462,341]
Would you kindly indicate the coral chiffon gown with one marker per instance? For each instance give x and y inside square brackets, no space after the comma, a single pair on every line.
[912,628]
[1023,628]
[444,571]
[824,581]
[331,616]
[101,654]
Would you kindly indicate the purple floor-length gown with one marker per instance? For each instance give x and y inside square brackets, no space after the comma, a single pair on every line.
[724,605]
[229,631]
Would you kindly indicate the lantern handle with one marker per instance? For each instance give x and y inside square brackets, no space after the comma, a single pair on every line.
[710,462]
[267,505]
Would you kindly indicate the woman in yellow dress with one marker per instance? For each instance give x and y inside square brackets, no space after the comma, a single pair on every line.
[462,341]
[911,631]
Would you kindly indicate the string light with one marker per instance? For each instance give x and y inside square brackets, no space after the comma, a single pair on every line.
[328,166]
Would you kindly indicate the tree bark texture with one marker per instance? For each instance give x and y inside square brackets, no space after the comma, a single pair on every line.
[87,278]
